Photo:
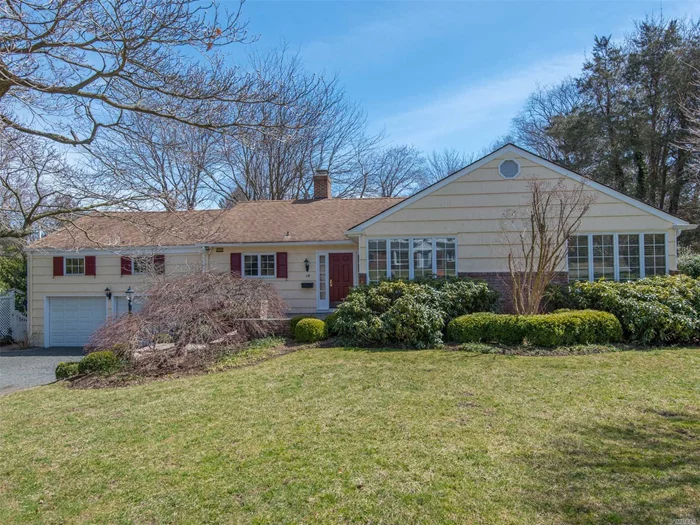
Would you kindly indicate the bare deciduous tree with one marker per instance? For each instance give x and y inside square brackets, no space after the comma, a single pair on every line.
[40,189]
[323,130]
[397,170]
[73,67]
[692,117]
[536,236]
[534,127]
[162,162]
[440,164]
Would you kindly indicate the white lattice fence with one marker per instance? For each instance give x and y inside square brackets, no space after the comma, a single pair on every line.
[12,322]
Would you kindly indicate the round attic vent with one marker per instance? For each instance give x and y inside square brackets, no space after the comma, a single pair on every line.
[509,169]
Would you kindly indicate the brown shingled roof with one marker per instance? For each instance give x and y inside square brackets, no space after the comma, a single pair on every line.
[247,222]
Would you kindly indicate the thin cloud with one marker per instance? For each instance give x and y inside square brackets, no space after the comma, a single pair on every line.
[472,106]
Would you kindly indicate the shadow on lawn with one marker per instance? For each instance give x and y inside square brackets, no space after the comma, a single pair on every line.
[646,471]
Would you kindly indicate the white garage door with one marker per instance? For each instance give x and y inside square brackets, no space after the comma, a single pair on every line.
[72,320]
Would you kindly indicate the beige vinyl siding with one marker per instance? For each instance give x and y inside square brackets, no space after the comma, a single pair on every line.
[299,300]
[108,268]
[472,209]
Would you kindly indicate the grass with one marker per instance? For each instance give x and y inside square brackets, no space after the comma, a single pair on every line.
[336,435]
[255,351]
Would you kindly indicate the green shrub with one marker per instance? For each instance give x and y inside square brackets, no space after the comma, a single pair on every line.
[66,370]
[458,296]
[330,323]
[310,330]
[103,362]
[295,320]
[408,313]
[663,309]
[689,262]
[547,330]
[571,328]
[486,328]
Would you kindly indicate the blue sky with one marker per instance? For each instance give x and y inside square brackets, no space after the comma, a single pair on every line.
[445,74]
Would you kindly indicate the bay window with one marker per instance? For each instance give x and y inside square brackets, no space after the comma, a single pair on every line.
[578,258]
[422,258]
[616,256]
[628,250]
[258,264]
[376,260]
[445,257]
[410,258]
[400,255]
[603,257]
[654,254]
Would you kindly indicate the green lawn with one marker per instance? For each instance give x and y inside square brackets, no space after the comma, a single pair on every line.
[336,435]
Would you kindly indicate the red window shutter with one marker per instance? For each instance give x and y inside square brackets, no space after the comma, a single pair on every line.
[159,263]
[90,265]
[236,264]
[126,266]
[281,265]
[57,266]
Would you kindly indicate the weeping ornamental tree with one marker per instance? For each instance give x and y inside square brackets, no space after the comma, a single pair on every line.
[536,236]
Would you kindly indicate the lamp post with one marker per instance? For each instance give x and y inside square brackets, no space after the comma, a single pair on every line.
[129,296]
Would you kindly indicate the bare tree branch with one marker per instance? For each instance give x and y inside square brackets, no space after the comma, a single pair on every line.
[536,236]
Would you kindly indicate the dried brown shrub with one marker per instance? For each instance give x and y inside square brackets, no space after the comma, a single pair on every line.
[195,312]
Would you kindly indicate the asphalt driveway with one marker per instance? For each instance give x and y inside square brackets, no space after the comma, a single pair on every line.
[21,369]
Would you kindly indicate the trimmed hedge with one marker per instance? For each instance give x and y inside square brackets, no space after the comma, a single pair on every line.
[65,370]
[486,327]
[310,330]
[409,313]
[295,320]
[103,362]
[663,309]
[547,330]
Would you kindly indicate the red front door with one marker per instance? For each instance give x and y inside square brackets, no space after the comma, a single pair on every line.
[340,276]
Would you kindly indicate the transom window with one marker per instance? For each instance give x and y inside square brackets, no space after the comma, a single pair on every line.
[616,256]
[603,256]
[75,266]
[259,265]
[412,258]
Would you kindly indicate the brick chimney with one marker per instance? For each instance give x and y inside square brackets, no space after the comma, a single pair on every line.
[322,185]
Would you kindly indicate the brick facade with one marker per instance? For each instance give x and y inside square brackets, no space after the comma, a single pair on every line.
[501,282]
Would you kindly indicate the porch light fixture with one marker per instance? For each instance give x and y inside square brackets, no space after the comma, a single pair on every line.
[129,296]
[108,293]
[306,264]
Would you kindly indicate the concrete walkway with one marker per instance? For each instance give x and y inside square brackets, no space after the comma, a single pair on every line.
[20,369]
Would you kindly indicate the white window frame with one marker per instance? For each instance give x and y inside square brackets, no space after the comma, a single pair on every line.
[259,256]
[65,267]
[411,273]
[616,244]
[517,162]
